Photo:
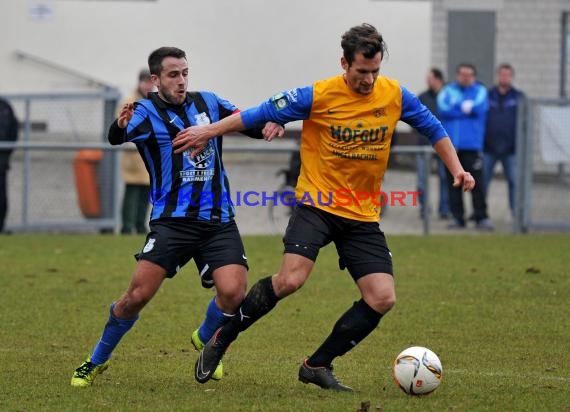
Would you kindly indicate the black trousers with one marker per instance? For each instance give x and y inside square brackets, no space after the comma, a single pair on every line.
[472,162]
[3,196]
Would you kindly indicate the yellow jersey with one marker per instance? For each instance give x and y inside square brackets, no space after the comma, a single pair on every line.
[345,140]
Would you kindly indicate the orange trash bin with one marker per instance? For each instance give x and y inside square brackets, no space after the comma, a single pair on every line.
[86,182]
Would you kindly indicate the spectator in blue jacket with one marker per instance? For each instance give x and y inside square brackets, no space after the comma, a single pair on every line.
[463,106]
[500,134]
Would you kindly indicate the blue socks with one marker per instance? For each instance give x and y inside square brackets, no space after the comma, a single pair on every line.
[214,319]
[112,334]
[116,328]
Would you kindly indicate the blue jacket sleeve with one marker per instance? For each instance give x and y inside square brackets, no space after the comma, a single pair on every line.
[288,106]
[449,103]
[481,101]
[420,118]
[450,98]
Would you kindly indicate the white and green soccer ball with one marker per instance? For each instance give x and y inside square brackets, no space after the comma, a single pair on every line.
[417,371]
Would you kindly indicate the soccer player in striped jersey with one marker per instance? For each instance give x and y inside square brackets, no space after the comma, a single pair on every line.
[348,123]
[192,214]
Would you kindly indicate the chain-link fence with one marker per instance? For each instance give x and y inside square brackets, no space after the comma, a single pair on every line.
[63,175]
[543,162]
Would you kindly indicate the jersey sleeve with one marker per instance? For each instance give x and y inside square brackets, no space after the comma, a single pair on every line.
[139,127]
[285,107]
[420,118]
[225,108]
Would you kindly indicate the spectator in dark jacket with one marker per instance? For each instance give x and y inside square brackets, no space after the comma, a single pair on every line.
[8,133]
[500,134]
[434,82]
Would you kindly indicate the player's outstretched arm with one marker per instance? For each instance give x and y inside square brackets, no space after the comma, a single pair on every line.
[448,155]
[280,109]
[269,131]
[197,137]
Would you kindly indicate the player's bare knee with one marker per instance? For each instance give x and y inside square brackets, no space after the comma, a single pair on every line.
[231,291]
[381,303]
[126,307]
[229,300]
[386,303]
[230,280]
[136,299]
[286,284]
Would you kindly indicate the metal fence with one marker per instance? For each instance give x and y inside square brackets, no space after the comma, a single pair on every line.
[56,128]
[543,161]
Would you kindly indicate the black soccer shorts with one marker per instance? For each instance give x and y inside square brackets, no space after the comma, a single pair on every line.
[172,242]
[361,246]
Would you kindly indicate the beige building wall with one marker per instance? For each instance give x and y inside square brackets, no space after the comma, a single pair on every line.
[528,35]
[245,50]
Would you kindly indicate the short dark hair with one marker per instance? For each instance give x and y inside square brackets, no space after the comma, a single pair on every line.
[506,66]
[156,57]
[365,39]
[466,66]
[144,74]
[438,74]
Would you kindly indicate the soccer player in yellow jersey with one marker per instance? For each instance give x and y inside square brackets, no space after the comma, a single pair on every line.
[348,123]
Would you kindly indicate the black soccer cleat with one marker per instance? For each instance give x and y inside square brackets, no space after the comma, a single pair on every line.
[322,376]
[209,359]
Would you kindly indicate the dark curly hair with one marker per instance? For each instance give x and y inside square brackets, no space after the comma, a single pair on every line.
[364,39]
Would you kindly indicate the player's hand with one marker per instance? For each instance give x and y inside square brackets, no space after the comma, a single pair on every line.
[125,115]
[272,130]
[194,137]
[465,179]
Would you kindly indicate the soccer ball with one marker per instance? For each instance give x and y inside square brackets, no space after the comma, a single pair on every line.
[417,371]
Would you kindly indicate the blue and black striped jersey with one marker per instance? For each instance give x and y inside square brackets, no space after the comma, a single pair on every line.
[182,186]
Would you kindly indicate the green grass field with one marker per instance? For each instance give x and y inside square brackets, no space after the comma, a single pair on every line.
[496,309]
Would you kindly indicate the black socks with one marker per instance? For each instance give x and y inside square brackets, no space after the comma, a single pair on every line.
[349,330]
[259,301]
[352,327]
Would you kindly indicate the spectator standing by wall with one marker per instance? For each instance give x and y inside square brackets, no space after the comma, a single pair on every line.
[8,133]
[463,106]
[435,82]
[135,200]
[500,133]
